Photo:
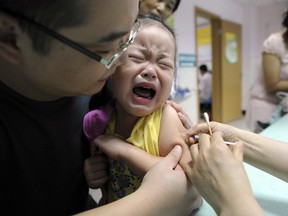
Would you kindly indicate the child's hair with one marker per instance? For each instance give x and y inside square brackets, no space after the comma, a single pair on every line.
[105,95]
[176,6]
[101,98]
[149,20]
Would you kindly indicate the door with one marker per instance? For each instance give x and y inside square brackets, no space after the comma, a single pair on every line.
[230,75]
[226,64]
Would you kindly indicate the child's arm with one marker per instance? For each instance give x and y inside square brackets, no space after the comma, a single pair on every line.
[138,160]
[171,134]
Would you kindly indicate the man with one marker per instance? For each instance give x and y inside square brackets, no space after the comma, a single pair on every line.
[52,54]
[205,88]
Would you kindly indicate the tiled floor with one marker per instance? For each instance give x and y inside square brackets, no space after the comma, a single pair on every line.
[240,123]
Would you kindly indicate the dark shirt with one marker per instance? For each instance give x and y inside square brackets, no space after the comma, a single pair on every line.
[42,155]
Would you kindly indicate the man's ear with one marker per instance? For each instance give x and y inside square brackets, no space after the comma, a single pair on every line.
[8,39]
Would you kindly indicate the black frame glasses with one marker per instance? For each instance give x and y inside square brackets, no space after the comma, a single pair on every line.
[107,62]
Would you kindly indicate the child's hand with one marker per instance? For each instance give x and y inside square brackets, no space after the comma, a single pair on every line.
[95,170]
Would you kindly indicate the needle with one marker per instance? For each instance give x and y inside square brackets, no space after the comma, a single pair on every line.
[196,137]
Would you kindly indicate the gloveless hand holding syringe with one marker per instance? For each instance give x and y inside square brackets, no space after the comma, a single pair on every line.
[206,118]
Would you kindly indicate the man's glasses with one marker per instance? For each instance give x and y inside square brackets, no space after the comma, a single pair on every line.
[122,47]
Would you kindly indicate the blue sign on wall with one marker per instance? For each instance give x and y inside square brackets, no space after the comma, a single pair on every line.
[186,60]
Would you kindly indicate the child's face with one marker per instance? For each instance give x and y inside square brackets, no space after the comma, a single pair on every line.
[143,83]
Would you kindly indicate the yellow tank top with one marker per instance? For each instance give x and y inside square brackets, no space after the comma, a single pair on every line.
[144,135]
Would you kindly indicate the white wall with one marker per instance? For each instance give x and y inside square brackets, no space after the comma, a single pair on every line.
[185,24]
[257,23]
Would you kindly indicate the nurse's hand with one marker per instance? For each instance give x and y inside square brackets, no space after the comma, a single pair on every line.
[219,175]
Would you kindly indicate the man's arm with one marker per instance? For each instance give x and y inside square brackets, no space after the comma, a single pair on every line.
[163,191]
[118,149]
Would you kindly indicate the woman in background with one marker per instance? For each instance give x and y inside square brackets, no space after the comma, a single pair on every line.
[274,78]
[161,8]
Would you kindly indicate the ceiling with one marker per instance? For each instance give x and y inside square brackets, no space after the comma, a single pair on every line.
[259,2]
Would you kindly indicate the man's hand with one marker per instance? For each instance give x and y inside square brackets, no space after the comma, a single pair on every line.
[181,114]
[95,170]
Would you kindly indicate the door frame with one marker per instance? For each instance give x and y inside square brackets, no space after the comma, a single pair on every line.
[216,60]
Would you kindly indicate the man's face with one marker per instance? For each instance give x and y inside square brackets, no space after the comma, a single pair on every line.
[66,72]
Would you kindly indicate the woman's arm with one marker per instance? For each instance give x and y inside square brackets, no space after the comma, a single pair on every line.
[264,153]
[219,175]
[272,66]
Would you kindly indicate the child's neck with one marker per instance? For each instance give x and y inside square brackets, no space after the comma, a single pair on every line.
[124,122]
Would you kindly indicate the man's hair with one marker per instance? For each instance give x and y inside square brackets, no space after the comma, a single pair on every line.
[203,68]
[53,14]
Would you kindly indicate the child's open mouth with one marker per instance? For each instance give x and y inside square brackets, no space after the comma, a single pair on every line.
[144,92]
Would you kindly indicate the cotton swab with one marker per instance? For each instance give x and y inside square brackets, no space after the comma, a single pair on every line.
[206,117]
